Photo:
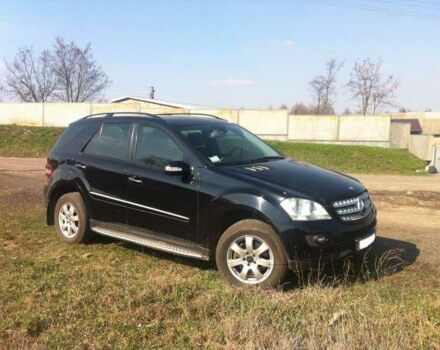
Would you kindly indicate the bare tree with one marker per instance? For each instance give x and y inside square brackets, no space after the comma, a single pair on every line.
[79,77]
[404,110]
[347,111]
[284,107]
[28,78]
[301,109]
[369,86]
[323,88]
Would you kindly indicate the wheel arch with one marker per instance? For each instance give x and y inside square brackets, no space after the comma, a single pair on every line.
[245,207]
[59,189]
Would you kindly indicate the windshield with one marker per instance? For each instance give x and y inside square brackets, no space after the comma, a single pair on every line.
[228,144]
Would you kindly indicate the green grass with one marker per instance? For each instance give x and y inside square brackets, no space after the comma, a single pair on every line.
[27,141]
[23,141]
[353,159]
[116,295]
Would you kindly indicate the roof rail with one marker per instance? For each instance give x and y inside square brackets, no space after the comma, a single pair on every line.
[155,116]
[190,114]
[115,114]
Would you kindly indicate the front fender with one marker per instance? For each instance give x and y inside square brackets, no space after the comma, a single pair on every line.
[268,208]
[218,213]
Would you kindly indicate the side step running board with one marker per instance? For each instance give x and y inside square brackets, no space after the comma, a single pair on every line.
[149,242]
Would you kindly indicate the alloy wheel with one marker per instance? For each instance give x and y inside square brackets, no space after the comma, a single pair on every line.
[250,259]
[68,219]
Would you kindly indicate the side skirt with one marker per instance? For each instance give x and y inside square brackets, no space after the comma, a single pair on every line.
[150,239]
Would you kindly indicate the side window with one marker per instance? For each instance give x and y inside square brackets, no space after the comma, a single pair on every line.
[155,148]
[69,137]
[113,141]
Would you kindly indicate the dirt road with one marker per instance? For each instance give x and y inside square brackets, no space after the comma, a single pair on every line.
[408,206]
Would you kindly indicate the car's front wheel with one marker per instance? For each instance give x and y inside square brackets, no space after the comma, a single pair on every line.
[71,220]
[249,253]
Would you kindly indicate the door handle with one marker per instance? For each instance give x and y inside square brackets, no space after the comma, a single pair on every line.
[135,179]
[81,166]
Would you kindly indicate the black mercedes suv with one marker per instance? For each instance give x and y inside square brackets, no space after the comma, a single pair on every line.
[201,187]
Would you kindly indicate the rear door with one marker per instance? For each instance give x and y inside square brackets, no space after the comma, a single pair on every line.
[104,161]
[159,202]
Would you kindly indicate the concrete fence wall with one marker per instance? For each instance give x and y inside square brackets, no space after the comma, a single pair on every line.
[422,146]
[313,128]
[429,121]
[268,124]
[400,135]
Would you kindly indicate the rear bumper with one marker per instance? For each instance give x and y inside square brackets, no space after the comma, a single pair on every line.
[45,193]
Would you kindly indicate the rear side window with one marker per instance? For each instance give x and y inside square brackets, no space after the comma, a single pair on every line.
[155,148]
[112,141]
[69,137]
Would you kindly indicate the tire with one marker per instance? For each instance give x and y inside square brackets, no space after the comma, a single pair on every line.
[71,219]
[258,266]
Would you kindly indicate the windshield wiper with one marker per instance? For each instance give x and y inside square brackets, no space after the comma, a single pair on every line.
[265,159]
[256,160]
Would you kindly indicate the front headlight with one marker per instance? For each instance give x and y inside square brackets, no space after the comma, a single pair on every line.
[304,210]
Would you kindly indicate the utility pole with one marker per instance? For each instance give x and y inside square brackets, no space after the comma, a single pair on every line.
[152,91]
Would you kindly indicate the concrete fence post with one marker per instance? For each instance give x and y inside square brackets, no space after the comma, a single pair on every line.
[338,128]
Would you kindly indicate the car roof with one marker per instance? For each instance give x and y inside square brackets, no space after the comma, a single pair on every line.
[180,119]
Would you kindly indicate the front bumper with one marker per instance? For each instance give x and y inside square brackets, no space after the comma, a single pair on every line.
[342,239]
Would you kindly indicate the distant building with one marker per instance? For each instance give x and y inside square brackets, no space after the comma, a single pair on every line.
[415,127]
[153,103]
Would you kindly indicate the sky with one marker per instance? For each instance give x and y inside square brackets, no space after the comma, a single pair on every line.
[233,54]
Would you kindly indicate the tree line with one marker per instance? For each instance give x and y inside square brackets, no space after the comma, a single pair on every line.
[65,72]
[367,84]
[69,73]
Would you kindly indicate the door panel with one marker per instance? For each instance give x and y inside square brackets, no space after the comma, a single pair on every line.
[104,161]
[108,189]
[162,203]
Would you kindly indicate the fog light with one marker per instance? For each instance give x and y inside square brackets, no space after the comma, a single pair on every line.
[317,240]
[321,239]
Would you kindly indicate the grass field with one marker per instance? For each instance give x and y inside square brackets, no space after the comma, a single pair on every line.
[21,141]
[115,295]
[353,159]
[27,141]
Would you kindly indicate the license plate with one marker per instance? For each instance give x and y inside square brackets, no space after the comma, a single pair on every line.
[365,242]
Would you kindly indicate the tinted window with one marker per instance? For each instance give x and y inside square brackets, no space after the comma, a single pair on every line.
[155,148]
[69,136]
[113,141]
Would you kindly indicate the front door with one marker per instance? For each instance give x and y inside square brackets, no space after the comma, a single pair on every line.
[160,203]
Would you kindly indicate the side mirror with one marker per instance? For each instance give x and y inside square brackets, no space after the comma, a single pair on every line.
[177,168]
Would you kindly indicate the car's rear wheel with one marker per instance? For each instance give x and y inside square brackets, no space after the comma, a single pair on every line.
[250,253]
[71,220]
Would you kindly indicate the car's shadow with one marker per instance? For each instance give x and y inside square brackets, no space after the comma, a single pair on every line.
[386,257]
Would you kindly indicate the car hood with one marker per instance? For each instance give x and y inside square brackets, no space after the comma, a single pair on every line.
[299,179]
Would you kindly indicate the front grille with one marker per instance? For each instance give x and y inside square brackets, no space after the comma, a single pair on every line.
[353,209]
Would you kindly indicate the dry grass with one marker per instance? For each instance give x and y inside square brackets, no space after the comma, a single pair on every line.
[115,295]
